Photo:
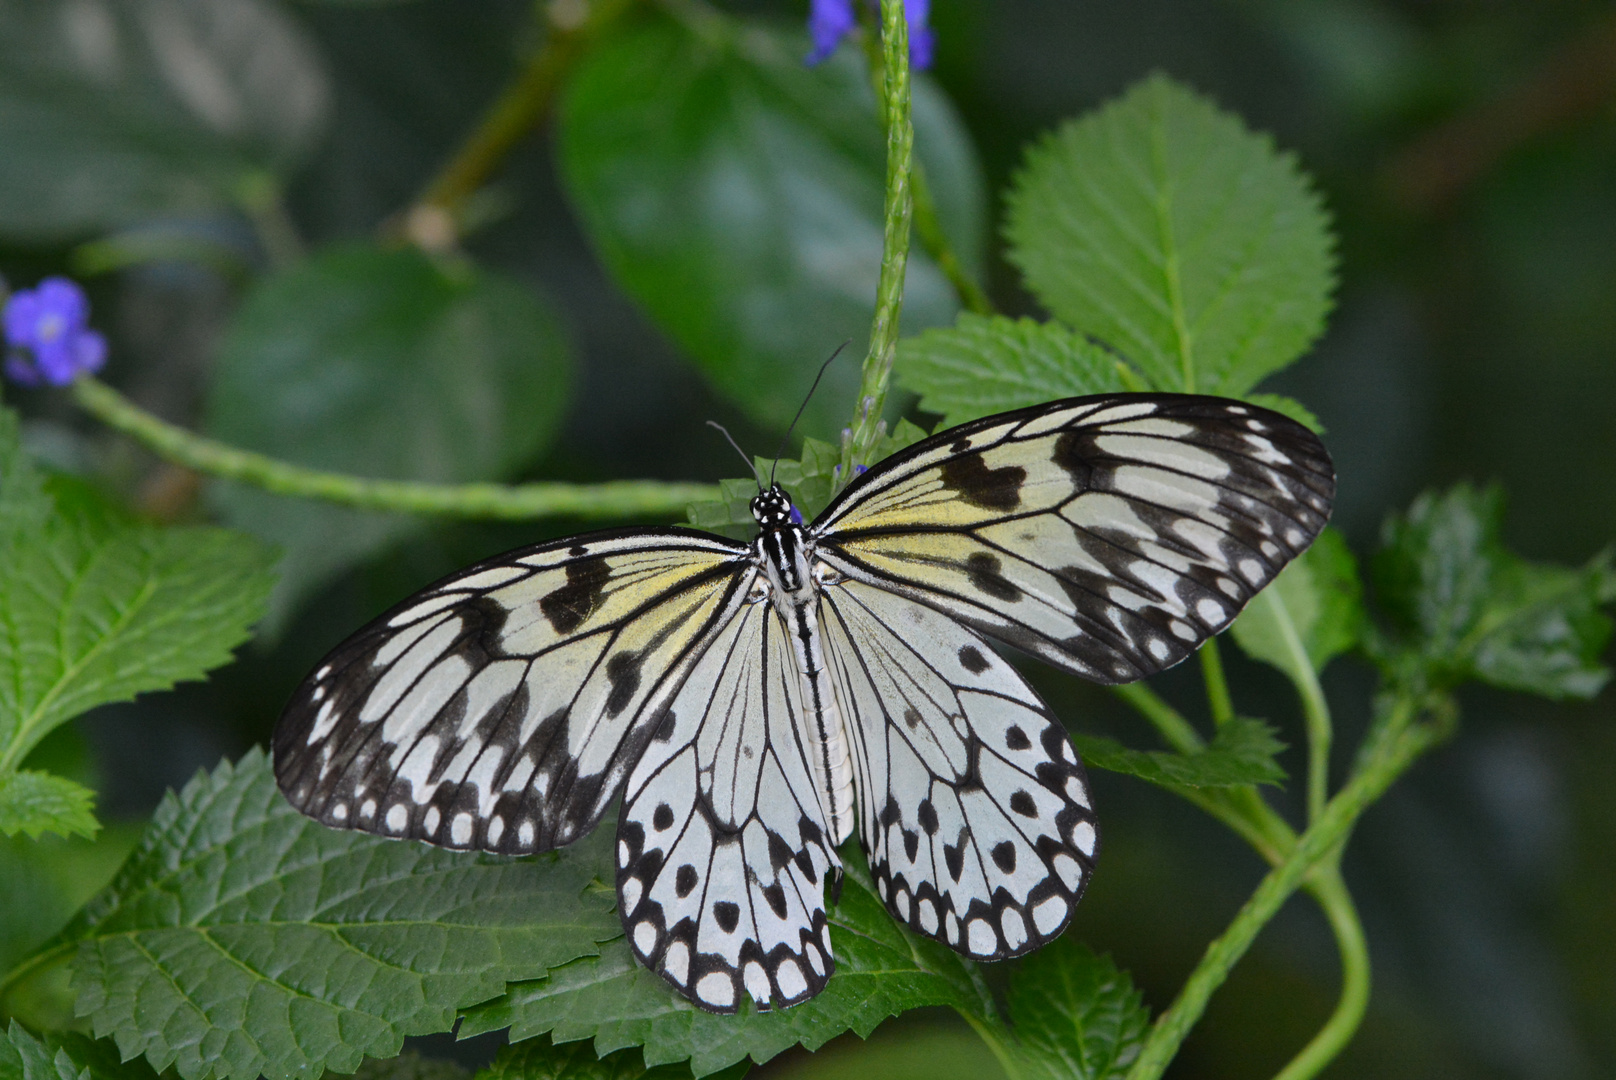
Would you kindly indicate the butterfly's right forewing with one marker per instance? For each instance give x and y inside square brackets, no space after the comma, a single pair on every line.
[501,709]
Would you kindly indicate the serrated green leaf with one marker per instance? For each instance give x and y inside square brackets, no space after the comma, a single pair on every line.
[33,802]
[380,363]
[243,938]
[1164,228]
[117,113]
[63,1056]
[881,970]
[91,615]
[1076,1017]
[540,1059]
[1465,607]
[988,364]
[1242,752]
[1289,406]
[1311,613]
[737,195]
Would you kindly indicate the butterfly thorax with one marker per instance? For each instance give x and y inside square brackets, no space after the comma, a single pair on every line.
[784,551]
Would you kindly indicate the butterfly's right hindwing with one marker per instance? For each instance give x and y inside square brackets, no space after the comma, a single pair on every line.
[502,708]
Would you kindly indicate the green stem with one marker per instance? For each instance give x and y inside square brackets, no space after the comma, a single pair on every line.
[867,426]
[1322,838]
[1179,732]
[518,110]
[1315,707]
[32,966]
[1331,893]
[613,499]
[1217,685]
[997,1040]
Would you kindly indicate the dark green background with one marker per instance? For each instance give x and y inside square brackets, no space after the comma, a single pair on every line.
[1468,153]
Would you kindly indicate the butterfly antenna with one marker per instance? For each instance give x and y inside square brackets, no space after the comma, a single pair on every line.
[750,464]
[800,409]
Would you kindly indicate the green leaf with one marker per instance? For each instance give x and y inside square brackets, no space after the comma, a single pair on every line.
[24,506]
[1242,752]
[381,364]
[1310,614]
[539,1059]
[983,365]
[94,613]
[1076,1016]
[1163,227]
[411,1066]
[809,481]
[35,802]
[1465,607]
[881,970]
[737,195]
[243,938]
[63,1056]
[115,113]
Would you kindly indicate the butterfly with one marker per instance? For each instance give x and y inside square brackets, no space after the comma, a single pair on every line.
[754,704]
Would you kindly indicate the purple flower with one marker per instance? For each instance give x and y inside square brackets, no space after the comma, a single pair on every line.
[48,331]
[829,21]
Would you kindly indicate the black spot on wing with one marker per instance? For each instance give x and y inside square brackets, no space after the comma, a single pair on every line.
[1004,856]
[685,880]
[623,672]
[1022,804]
[987,576]
[728,915]
[568,606]
[972,660]
[1074,453]
[991,489]
[928,817]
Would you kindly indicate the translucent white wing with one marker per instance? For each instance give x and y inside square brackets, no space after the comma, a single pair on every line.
[502,708]
[974,809]
[1107,535]
[722,854]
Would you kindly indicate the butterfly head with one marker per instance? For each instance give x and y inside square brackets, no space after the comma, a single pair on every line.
[773,509]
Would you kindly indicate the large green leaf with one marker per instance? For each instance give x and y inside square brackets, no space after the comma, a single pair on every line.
[65,1056]
[1242,752]
[243,938]
[93,612]
[1163,227]
[881,970]
[111,113]
[1076,1016]
[984,365]
[1310,614]
[540,1059]
[737,195]
[381,364]
[1463,606]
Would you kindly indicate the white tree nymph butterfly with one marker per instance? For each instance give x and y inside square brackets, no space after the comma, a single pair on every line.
[756,704]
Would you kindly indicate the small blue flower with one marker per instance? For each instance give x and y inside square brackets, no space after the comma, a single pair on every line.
[796,516]
[829,21]
[48,331]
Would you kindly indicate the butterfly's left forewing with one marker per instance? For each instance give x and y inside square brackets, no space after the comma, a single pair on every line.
[502,708]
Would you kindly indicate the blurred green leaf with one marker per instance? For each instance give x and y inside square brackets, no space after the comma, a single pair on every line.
[1076,1016]
[1463,606]
[1311,613]
[808,480]
[63,1056]
[540,1059]
[1164,228]
[111,113]
[32,803]
[411,1066]
[243,938]
[983,365]
[381,364]
[1242,752]
[881,970]
[737,195]
[97,610]
[24,506]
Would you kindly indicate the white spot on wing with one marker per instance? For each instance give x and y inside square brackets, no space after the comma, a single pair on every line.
[715,988]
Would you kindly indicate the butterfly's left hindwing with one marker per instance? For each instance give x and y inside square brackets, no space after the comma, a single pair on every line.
[502,708]
[722,850]
[1110,535]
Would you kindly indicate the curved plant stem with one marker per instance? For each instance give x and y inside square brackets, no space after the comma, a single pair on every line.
[518,110]
[1331,892]
[867,426]
[31,966]
[1217,685]
[1170,723]
[1398,751]
[613,499]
